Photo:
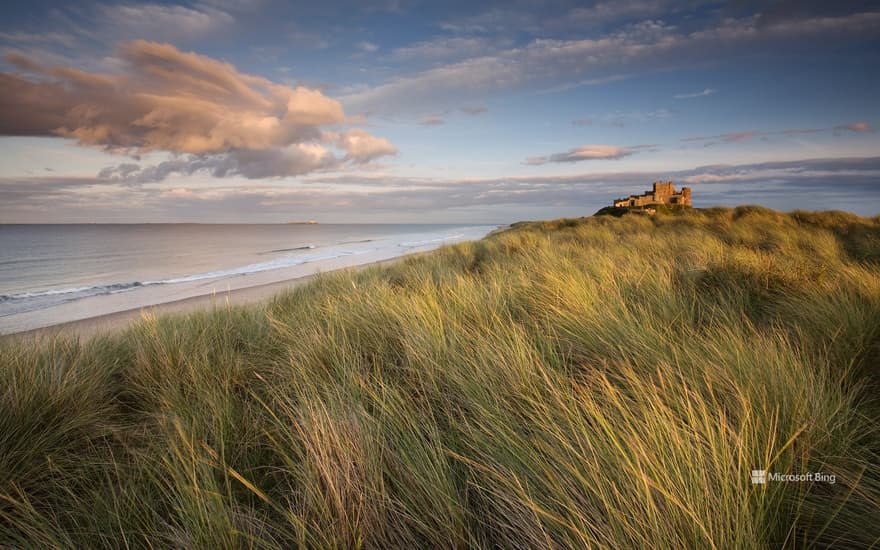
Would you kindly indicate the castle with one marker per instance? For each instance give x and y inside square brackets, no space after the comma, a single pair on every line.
[663,193]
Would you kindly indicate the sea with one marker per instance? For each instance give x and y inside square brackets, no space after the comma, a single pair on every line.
[57,273]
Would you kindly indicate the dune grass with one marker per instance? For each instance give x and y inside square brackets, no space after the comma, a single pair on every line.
[599,382]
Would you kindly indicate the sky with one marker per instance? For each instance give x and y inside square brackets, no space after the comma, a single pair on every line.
[409,111]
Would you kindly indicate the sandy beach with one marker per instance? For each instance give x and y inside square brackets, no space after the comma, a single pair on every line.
[90,327]
[85,307]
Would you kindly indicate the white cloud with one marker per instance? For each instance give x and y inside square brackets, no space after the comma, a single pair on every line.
[703,93]
[367,47]
[444,48]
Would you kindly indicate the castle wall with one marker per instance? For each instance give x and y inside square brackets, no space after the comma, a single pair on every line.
[662,193]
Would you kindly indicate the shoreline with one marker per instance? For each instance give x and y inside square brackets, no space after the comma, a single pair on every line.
[109,323]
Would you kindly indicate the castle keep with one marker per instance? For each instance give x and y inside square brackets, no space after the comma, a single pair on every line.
[662,193]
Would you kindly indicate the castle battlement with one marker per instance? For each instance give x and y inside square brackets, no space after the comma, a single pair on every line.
[663,192]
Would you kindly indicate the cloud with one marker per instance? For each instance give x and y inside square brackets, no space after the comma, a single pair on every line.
[495,20]
[360,148]
[293,160]
[558,64]
[380,6]
[515,18]
[20,38]
[705,92]
[543,61]
[583,121]
[619,119]
[432,120]
[444,48]
[858,127]
[802,131]
[731,137]
[805,183]
[475,111]
[185,104]
[307,39]
[160,22]
[602,13]
[363,147]
[586,82]
[817,172]
[367,47]
[586,152]
[734,137]
[738,136]
[267,54]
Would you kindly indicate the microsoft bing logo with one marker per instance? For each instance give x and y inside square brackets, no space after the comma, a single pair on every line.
[761,477]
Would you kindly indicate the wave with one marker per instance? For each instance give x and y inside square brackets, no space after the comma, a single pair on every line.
[278,263]
[427,242]
[306,247]
[91,290]
[11,304]
[358,242]
[33,300]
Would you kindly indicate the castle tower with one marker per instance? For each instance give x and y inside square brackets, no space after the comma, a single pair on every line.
[662,190]
[686,196]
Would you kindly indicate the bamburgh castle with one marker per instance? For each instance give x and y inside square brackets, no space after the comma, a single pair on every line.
[663,193]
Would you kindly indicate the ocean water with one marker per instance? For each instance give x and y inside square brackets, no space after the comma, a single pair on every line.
[58,273]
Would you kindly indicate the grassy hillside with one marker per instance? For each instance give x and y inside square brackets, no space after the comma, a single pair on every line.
[606,382]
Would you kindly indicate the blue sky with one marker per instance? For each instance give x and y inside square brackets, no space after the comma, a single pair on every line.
[411,111]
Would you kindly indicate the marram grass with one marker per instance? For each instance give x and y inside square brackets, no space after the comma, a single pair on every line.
[601,382]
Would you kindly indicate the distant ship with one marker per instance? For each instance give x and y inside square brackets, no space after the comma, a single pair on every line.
[302,223]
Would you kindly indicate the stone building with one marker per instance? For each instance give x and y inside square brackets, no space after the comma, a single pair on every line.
[662,193]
